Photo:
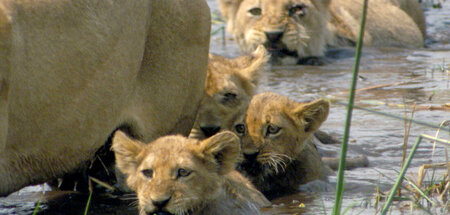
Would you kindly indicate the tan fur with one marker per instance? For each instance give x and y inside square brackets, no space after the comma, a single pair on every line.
[228,8]
[73,71]
[304,35]
[194,177]
[398,23]
[278,152]
[230,84]
[414,9]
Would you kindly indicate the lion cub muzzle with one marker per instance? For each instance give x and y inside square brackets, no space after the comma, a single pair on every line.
[276,47]
[159,204]
[273,37]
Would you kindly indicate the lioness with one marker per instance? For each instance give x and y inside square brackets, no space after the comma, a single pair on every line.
[278,152]
[229,86]
[177,175]
[73,71]
[303,28]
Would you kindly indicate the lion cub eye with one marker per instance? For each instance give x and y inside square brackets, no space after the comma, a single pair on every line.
[228,97]
[147,173]
[240,129]
[297,10]
[272,130]
[183,173]
[256,11]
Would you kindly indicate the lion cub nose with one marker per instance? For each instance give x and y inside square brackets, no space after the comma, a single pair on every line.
[251,157]
[274,36]
[160,203]
[210,130]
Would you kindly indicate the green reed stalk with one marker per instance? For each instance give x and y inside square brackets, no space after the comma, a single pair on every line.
[91,190]
[415,121]
[405,167]
[340,179]
[88,203]
[36,209]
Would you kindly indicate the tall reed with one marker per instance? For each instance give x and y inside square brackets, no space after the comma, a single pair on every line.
[340,179]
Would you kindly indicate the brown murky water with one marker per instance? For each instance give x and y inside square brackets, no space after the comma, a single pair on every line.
[425,82]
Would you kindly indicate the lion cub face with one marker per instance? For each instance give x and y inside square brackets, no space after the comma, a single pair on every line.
[295,28]
[230,84]
[176,175]
[275,131]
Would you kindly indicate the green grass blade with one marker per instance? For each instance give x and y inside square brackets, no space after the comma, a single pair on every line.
[87,204]
[340,179]
[36,209]
[400,177]
[420,191]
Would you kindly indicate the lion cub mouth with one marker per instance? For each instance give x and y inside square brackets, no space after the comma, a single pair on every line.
[278,50]
[251,167]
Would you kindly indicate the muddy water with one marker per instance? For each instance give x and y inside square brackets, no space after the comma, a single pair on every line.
[378,137]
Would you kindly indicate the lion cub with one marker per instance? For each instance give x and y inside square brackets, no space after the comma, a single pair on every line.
[177,175]
[229,86]
[276,143]
[293,30]
[301,30]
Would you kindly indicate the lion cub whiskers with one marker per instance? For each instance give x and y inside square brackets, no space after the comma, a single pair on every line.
[278,154]
[177,175]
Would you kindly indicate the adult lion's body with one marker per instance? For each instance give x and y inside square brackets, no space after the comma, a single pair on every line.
[177,175]
[397,23]
[73,71]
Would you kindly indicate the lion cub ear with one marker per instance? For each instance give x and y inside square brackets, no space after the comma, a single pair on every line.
[228,9]
[224,149]
[254,64]
[311,115]
[126,151]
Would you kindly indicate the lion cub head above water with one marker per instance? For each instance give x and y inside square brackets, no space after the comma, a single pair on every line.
[275,141]
[295,28]
[230,84]
[176,175]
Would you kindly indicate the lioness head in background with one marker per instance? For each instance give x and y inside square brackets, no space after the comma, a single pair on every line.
[275,133]
[177,175]
[295,28]
[230,84]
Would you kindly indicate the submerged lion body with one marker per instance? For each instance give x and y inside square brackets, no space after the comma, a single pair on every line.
[387,24]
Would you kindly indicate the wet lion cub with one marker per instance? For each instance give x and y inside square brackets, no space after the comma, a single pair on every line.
[229,86]
[276,143]
[176,175]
